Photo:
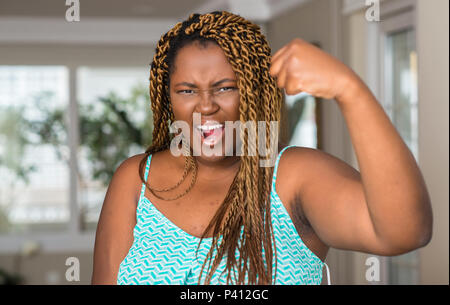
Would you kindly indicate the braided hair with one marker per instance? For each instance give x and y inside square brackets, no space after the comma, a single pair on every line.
[247,203]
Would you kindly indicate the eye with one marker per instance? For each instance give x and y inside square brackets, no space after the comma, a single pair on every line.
[186,91]
[225,89]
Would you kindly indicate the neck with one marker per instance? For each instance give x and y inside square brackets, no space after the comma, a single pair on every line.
[210,169]
[216,167]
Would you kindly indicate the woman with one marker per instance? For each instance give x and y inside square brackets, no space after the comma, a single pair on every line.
[216,219]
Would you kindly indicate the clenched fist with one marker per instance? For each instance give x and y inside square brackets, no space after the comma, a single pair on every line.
[300,66]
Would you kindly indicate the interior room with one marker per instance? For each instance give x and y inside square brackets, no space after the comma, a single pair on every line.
[74,103]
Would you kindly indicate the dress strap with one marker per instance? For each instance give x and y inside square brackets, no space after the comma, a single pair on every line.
[328,274]
[147,168]
[274,178]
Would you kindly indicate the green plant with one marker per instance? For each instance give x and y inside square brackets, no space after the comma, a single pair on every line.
[14,129]
[7,278]
[111,134]
[108,131]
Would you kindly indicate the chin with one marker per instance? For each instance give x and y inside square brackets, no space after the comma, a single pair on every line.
[211,159]
[213,153]
[211,148]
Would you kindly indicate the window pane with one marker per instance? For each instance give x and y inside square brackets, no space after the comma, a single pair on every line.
[401,84]
[34,155]
[115,124]
[401,105]
[403,269]
[302,124]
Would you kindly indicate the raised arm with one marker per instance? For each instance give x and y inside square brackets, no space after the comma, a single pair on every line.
[385,209]
[114,235]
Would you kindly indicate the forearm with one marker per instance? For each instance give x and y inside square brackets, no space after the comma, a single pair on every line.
[396,194]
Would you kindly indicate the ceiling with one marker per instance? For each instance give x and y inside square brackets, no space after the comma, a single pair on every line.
[101,8]
[118,21]
[258,10]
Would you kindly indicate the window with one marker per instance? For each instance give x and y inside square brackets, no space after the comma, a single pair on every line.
[302,120]
[114,112]
[401,85]
[33,149]
[401,106]
[63,132]
[400,101]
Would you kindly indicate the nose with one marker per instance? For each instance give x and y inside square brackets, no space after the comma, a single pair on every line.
[206,102]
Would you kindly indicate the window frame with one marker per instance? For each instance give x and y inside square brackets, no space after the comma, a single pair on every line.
[73,238]
[396,16]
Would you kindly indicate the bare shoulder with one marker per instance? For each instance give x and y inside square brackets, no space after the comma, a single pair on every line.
[306,173]
[127,175]
[296,161]
[309,163]
[306,154]
[130,163]
[114,234]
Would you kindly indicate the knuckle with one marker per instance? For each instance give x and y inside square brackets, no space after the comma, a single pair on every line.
[298,41]
[295,60]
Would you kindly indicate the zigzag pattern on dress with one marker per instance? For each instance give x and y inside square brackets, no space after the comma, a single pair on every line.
[162,253]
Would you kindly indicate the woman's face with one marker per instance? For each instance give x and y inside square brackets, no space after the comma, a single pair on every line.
[203,82]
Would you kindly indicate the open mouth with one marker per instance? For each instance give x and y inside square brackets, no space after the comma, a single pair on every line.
[211,133]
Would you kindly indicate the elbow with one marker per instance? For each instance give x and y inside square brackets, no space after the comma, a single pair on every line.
[409,243]
[414,232]
[425,230]
[420,234]
[406,240]
[426,236]
[422,240]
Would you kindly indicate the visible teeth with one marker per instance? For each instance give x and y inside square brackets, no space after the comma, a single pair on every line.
[209,127]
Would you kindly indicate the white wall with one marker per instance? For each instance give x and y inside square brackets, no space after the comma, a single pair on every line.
[109,55]
[433,52]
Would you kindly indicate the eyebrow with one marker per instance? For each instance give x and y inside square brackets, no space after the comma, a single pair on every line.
[190,85]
